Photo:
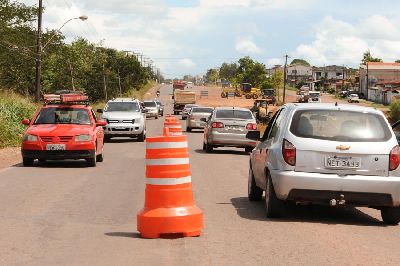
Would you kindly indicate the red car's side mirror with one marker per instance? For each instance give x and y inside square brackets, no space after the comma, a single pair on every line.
[101,123]
[26,122]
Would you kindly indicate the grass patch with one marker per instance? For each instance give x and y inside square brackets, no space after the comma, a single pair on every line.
[13,108]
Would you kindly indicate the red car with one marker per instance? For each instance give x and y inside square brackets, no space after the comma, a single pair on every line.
[66,127]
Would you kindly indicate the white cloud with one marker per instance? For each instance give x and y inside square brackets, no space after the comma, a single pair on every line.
[265,4]
[339,42]
[275,61]
[187,63]
[246,46]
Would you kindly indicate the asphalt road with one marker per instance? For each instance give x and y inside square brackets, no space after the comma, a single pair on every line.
[62,213]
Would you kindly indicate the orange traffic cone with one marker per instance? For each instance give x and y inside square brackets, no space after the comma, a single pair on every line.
[175,127]
[169,206]
[170,117]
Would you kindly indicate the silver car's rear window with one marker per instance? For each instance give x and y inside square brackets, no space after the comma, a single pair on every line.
[236,114]
[340,125]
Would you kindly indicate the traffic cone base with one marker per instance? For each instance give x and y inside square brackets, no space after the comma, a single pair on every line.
[152,223]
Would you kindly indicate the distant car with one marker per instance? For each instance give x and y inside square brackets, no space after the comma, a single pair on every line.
[152,109]
[327,154]
[66,127]
[227,127]
[195,116]
[160,107]
[314,97]
[186,110]
[125,118]
[353,98]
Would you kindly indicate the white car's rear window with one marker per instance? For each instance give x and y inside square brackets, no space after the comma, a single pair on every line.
[236,114]
[340,125]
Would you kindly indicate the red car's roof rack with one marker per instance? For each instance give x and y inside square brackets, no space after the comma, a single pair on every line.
[66,97]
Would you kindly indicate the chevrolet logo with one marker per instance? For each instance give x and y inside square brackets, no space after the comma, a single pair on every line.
[343,147]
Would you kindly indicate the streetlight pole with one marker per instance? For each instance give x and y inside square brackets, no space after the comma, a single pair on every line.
[39,52]
[39,48]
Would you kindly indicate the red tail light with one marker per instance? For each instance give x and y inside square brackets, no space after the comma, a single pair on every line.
[289,152]
[251,126]
[394,158]
[217,125]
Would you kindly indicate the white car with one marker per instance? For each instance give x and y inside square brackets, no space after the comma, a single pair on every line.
[353,98]
[329,154]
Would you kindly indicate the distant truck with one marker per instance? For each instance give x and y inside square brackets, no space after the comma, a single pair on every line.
[181,98]
[178,85]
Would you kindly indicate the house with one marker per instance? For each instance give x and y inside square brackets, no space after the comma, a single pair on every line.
[296,73]
[380,81]
[330,73]
[274,69]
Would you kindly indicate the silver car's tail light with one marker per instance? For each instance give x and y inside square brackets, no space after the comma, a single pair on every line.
[394,158]
[289,152]
[251,126]
[217,125]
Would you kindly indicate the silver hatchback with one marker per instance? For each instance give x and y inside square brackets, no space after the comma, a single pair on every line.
[327,154]
[194,118]
[227,127]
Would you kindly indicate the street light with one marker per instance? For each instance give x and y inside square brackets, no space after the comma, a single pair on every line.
[39,47]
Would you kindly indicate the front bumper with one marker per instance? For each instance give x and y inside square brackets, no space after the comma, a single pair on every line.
[119,129]
[152,114]
[373,191]
[230,140]
[58,155]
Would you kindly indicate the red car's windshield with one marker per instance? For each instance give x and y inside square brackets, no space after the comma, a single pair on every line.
[63,115]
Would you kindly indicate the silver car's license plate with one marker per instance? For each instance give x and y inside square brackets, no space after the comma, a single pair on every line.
[343,162]
[55,147]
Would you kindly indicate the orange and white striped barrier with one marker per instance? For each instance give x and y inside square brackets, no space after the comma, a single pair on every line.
[175,127]
[169,206]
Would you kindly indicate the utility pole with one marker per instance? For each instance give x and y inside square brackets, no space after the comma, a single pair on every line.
[284,79]
[119,84]
[72,75]
[104,83]
[367,81]
[39,52]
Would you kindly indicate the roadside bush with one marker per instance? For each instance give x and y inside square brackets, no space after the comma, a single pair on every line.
[13,109]
[395,110]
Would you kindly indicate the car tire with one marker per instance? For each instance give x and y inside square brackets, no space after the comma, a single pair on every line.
[100,158]
[27,161]
[188,129]
[204,146]
[107,138]
[91,162]
[142,137]
[391,215]
[156,117]
[254,193]
[209,148]
[273,205]
[248,149]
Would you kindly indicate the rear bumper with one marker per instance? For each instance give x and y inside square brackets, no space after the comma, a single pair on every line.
[58,155]
[373,191]
[195,123]
[231,140]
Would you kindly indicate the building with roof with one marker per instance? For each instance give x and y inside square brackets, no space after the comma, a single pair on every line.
[380,81]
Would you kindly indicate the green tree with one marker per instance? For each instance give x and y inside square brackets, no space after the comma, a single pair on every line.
[250,71]
[397,61]
[367,57]
[228,71]
[298,61]
[212,75]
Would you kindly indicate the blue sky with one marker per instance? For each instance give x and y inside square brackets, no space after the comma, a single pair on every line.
[188,37]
